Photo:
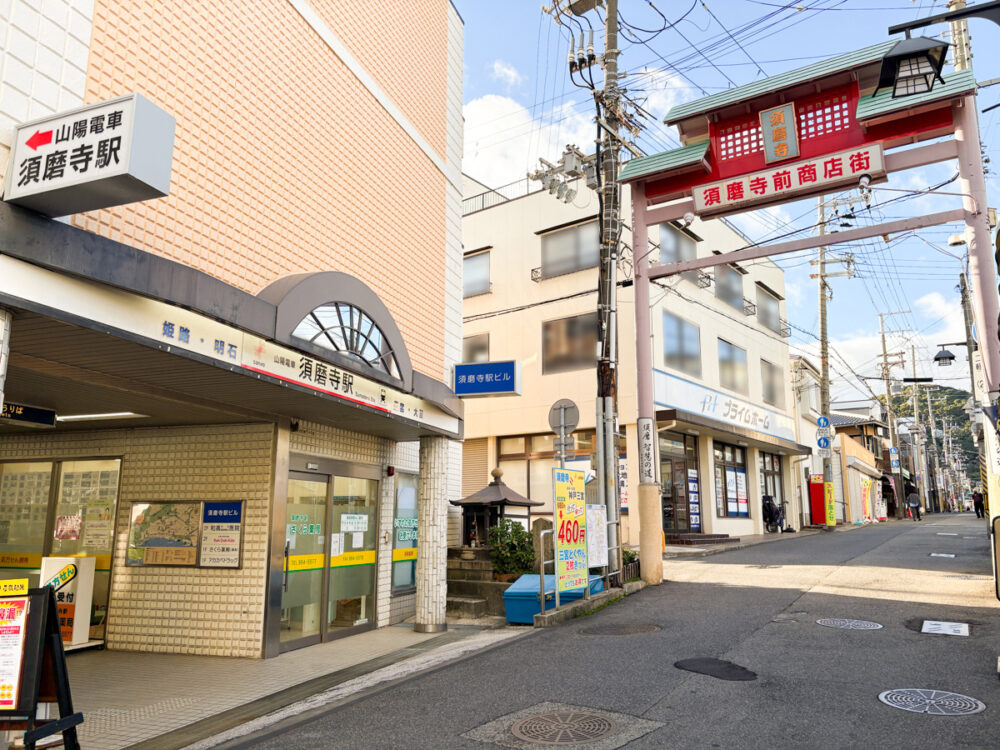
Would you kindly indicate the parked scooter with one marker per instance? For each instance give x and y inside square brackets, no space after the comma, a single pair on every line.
[774,516]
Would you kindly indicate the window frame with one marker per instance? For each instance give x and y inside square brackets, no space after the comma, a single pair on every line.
[580,261]
[393,589]
[578,364]
[746,368]
[721,461]
[682,338]
[727,292]
[779,401]
[487,288]
[766,294]
[466,360]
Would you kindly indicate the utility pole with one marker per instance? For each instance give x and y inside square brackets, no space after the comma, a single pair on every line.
[961,43]
[601,173]
[825,294]
[933,443]
[921,474]
[893,442]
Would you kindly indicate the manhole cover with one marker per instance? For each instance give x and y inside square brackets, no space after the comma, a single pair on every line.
[634,629]
[935,702]
[563,728]
[845,624]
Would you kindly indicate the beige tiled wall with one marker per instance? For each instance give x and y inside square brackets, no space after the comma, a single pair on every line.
[284,161]
[180,610]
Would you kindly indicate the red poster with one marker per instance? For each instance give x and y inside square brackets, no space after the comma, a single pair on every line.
[13,615]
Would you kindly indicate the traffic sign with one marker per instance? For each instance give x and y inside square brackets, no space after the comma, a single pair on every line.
[893,451]
[565,415]
[824,432]
[823,443]
[895,463]
[823,422]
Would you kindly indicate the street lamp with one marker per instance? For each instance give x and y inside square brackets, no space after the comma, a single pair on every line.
[912,66]
[944,358]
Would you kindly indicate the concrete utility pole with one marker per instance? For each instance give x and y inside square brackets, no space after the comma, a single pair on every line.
[825,294]
[921,474]
[961,42]
[893,442]
[933,443]
[607,290]
[5,322]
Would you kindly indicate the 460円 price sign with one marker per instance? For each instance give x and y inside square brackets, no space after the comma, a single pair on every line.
[570,529]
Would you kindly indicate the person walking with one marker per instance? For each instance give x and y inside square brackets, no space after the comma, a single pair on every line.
[978,504]
[913,500]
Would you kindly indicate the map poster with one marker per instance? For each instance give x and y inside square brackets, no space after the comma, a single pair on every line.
[12,626]
[221,527]
[163,534]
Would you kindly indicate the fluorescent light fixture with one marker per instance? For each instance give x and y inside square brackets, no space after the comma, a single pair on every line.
[99,417]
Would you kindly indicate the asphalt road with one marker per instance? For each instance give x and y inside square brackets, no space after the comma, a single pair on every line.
[816,687]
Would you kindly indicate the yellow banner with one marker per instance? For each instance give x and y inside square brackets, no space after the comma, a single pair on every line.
[361,557]
[831,508]
[399,555]
[14,587]
[299,563]
[103,562]
[570,529]
[20,560]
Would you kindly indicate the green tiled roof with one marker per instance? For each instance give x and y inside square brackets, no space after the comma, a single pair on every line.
[882,102]
[781,81]
[678,157]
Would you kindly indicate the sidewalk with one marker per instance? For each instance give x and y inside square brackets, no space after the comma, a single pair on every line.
[167,701]
[673,551]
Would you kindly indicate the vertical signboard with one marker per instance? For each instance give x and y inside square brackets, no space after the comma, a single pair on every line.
[571,529]
[597,539]
[694,500]
[221,527]
[647,468]
[831,508]
[777,129]
[13,616]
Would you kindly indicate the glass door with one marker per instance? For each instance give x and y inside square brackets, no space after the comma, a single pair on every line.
[305,561]
[353,534]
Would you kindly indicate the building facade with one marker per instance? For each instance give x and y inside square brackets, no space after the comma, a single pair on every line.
[235,398]
[726,434]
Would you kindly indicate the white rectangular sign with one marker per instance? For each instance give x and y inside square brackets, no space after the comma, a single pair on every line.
[674,392]
[597,536]
[788,180]
[105,154]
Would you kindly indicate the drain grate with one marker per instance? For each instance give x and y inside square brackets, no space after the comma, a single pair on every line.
[563,728]
[933,702]
[632,629]
[846,624]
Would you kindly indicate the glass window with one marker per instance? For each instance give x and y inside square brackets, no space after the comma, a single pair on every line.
[511,446]
[404,538]
[476,274]
[476,348]
[344,328]
[570,249]
[541,483]
[733,367]
[675,245]
[773,384]
[569,343]
[731,490]
[515,475]
[768,312]
[729,286]
[24,508]
[543,443]
[681,345]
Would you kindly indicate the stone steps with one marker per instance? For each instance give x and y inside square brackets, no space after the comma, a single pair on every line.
[466,606]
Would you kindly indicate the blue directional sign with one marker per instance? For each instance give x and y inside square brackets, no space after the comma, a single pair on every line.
[823,442]
[893,451]
[895,463]
[488,379]
[823,422]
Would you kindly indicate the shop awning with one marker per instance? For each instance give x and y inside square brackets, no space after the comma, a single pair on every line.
[853,462]
[729,432]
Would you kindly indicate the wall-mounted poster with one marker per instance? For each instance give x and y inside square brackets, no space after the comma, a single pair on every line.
[694,500]
[732,506]
[221,534]
[741,492]
[163,534]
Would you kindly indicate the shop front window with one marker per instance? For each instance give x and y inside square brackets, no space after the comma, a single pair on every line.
[731,491]
[680,489]
[770,477]
[404,539]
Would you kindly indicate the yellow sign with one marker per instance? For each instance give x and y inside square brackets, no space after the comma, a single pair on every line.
[570,529]
[14,587]
[831,508]
[400,555]
[64,576]
[299,563]
[27,560]
[348,559]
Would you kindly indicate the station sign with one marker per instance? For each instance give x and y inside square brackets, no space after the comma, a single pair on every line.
[28,415]
[488,379]
[797,178]
[105,154]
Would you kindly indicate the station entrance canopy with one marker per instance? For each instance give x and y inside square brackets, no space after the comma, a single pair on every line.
[105,329]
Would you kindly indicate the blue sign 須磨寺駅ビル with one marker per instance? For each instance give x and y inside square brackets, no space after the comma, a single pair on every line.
[488,379]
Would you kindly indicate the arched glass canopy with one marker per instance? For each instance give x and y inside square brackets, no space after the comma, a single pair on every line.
[347,329]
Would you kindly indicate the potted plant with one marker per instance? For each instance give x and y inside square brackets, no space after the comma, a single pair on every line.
[511,550]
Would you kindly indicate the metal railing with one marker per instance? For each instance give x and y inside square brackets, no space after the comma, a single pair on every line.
[498,196]
[749,308]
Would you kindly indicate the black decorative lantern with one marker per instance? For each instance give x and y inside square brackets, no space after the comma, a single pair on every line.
[912,66]
[944,358]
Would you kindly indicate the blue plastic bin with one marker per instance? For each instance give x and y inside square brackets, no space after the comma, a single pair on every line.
[521,599]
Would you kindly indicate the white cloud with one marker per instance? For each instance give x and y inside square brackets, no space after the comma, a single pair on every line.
[506,73]
[503,140]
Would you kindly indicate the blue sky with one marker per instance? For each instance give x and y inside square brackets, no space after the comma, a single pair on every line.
[521,105]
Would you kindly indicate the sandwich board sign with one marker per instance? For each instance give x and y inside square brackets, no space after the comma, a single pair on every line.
[104,154]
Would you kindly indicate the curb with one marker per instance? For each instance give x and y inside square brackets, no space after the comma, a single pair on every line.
[582,607]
